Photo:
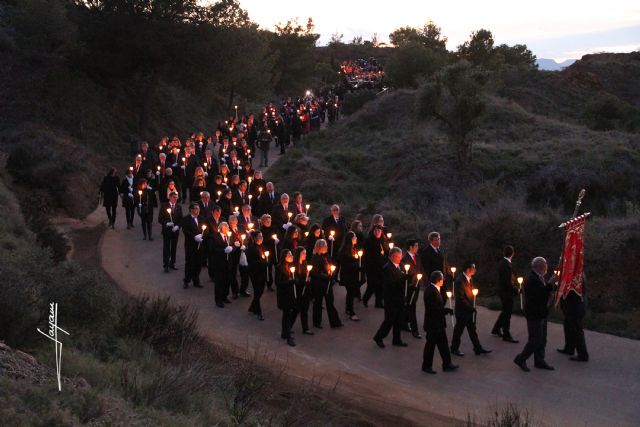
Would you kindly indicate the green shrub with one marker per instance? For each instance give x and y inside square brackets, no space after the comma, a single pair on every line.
[353,101]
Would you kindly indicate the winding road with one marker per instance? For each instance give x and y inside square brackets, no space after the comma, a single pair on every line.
[603,392]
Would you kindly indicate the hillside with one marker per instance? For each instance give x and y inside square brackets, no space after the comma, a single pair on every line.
[527,171]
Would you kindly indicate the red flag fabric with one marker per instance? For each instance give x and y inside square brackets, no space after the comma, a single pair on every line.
[572,258]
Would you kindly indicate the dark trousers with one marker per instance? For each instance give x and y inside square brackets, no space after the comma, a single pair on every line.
[233,275]
[321,293]
[169,248]
[465,321]
[374,287]
[221,277]
[258,288]
[352,289]
[289,315]
[192,266]
[270,268]
[244,277]
[111,213]
[574,336]
[146,218]
[537,330]
[410,318]
[129,212]
[303,311]
[503,323]
[393,315]
[439,339]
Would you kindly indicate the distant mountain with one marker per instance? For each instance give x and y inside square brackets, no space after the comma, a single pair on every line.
[552,65]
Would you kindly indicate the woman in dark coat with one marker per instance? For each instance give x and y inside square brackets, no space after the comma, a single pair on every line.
[348,264]
[286,294]
[258,263]
[315,233]
[302,287]
[109,190]
[321,285]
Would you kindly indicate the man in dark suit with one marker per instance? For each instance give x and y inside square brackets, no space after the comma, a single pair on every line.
[206,205]
[393,287]
[431,256]
[280,214]
[192,230]
[221,261]
[435,325]
[573,308]
[506,290]
[246,222]
[336,223]
[267,199]
[411,259]
[465,312]
[170,217]
[536,298]
[241,195]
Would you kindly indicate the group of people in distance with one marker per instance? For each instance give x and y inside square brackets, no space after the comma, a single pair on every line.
[241,230]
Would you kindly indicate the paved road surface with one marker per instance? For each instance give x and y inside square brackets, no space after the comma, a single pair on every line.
[603,392]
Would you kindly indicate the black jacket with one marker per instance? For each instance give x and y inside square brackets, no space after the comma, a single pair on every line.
[431,261]
[110,189]
[393,281]
[434,309]
[340,228]
[285,281]
[463,296]
[164,217]
[506,288]
[536,296]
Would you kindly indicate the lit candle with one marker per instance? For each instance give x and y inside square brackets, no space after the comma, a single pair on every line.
[332,233]
[309,268]
[228,237]
[389,235]
[360,253]
[289,215]
[306,209]
[295,292]
[170,216]
[235,209]
[249,179]
[204,227]
[259,191]
[275,247]
[332,268]
[406,280]
[475,294]
[415,293]
[306,234]
[236,107]
[250,226]
[266,254]
[453,282]
[449,295]
[390,246]
[219,194]
[140,198]
[520,280]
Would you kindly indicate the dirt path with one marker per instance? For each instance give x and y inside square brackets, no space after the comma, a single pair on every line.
[605,391]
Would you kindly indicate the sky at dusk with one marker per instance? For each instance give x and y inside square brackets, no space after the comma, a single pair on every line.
[558,29]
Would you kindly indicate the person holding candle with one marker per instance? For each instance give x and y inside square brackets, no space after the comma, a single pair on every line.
[301,221]
[246,221]
[336,223]
[435,325]
[192,230]
[507,290]
[315,233]
[241,194]
[226,204]
[411,259]
[146,199]
[375,257]
[236,241]
[322,277]
[268,232]
[286,294]
[465,310]
[298,205]
[303,269]
[393,279]
[258,263]
[170,217]
[536,297]
[221,248]
[264,144]
[349,271]
[280,214]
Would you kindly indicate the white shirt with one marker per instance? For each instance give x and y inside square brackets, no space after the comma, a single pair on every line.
[435,249]
[508,259]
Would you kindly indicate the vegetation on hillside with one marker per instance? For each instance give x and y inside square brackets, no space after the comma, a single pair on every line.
[524,179]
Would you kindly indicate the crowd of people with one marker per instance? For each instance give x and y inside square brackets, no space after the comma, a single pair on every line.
[362,74]
[242,231]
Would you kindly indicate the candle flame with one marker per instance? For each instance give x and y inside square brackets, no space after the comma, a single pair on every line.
[309,267]
[449,294]
[360,253]
[474,292]
[292,269]
[407,267]
[520,280]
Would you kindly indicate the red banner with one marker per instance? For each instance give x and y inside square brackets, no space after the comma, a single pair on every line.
[572,258]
